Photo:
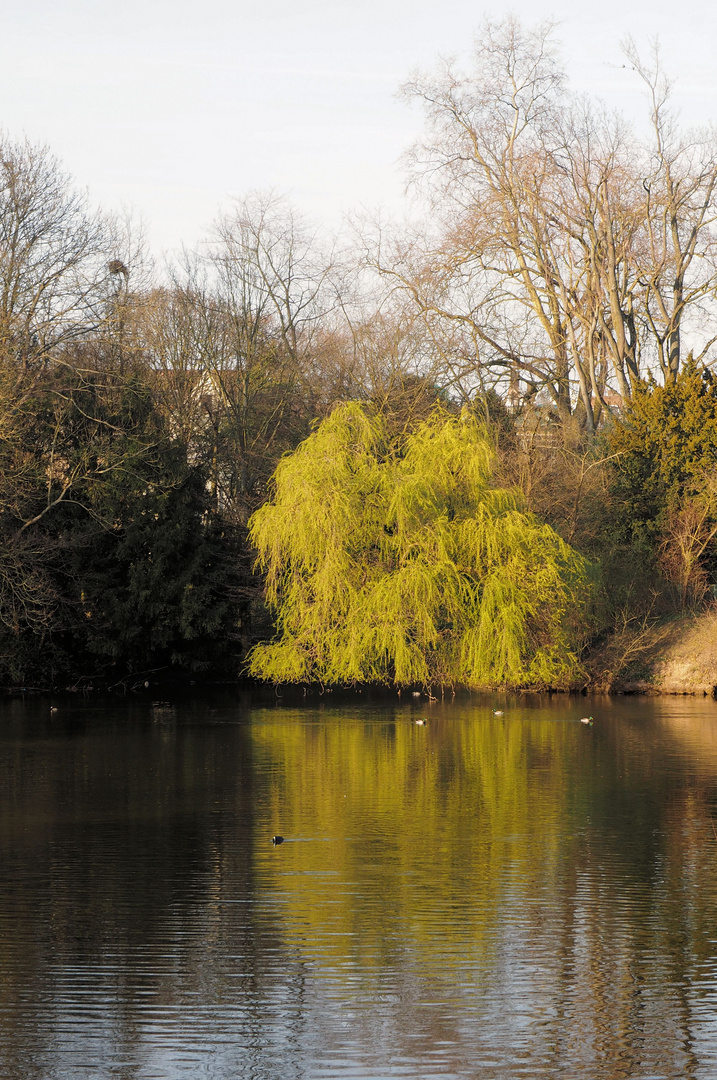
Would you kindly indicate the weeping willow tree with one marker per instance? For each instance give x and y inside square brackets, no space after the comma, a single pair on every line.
[396,562]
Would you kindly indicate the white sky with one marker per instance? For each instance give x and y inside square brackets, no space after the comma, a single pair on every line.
[172,107]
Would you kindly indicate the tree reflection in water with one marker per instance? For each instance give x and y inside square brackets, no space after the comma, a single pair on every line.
[485,896]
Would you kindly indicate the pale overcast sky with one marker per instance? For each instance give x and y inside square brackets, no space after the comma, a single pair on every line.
[173,106]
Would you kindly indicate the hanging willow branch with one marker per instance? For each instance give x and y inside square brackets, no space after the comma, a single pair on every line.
[399,563]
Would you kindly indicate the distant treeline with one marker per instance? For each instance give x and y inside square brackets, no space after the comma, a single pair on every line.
[559,285]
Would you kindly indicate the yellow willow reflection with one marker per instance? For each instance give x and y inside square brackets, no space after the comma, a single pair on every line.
[457,814]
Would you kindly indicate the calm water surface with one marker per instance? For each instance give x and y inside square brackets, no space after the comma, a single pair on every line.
[513,896]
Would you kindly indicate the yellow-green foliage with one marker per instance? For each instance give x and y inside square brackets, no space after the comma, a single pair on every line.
[462,811]
[665,444]
[399,563]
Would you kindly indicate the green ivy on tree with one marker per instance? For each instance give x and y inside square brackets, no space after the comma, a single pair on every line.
[397,562]
[665,482]
[664,444]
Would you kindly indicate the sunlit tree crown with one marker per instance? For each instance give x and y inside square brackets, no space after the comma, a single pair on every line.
[396,561]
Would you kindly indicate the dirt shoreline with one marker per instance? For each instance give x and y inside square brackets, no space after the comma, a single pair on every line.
[678,657]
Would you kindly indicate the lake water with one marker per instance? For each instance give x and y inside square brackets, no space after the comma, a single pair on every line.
[483,896]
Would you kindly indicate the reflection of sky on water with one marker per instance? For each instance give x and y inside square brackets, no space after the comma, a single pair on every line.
[477,898]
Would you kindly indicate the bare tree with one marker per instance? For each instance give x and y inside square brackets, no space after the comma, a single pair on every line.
[678,269]
[565,257]
[233,341]
[52,257]
[55,282]
[494,266]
